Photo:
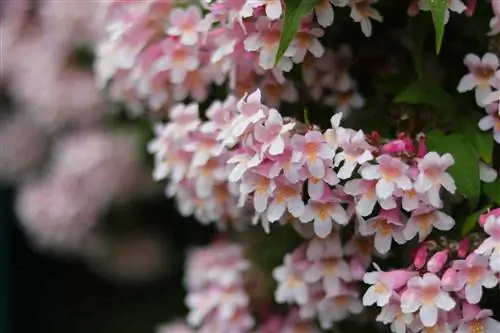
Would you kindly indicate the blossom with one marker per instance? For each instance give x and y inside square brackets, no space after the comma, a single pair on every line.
[273,8]
[178,59]
[250,111]
[384,285]
[386,226]
[364,191]
[186,24]
[477,320]
[486,173]
[329,247]
[286,196]
[491,246]
[474,274]
[390,174]
[425,294]
[261,187]
[423,219]
[314,150]
[291,285]
[481,76]
[432,175]
[491,121]
[355,151]
[323,211]
[362,12]
[393,315]
[306,40]
[184,119]
[272,132]
[331,271]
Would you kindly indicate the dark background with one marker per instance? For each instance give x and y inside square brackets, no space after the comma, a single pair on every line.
[44,294]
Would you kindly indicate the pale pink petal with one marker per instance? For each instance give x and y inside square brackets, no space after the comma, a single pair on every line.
[384,188]
[491,60]
[486,123]
[473,293]
[275,211]
[296,206]
[322,228]
[429,315]
[383,243]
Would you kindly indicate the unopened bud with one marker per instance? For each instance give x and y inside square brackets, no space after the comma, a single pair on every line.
[437,261]
[420,257]
[463,248]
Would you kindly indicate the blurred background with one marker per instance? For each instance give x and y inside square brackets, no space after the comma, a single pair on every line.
[86,237]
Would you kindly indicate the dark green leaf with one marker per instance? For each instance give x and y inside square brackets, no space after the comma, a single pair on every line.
[492,190]
[481,141]
[295,10]
[426,92]
[438,9]
[419,28]
[465,171]
[472,220]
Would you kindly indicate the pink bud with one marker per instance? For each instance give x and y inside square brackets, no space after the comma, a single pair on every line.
[437,261]
[357,268]
[463,248]
[471,7]
[394,147]
[450,280]
[397,278]
[422,148]
[420,257]
[495,5]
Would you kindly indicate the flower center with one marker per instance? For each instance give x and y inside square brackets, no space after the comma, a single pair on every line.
[475,274]
[484,72]
[429,294]
[476,326]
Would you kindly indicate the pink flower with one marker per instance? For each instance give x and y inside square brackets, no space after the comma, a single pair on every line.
[356,151]
[186,24]
[481,76]
[291,286]
[306,40]
[314,150]
[323,211]
[273,133]
[286,196]
[250,111]
[391,314]
[477,320]
[474,274]
[320,248]
[390,173]
[425,294]
[324,11]
[333,272]
[384,285]
[316,187]
[178,59]
[424,219]
[491,121]
[433,175]
[266,42]
[245,159]
[491,246]
[261,187]
[364,192]
[273,8]
[339,307]
[362,12]
[386,226]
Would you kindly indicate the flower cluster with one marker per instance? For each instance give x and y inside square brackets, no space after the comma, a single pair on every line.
[217,299]
[440,292]
[271,165]
[156,54]
[483,77]
[321,278]
[88,172]
[291,323]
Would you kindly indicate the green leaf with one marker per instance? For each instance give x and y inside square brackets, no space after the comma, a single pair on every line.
[419,28]
[472,220]
[426,92]
[481,141]
[438,9]
[295,10]
[465,171]
[492,190]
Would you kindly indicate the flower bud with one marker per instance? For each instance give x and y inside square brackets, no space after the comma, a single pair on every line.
[420,257]
[357,269]
[394,147]
[463,248]
[437,261]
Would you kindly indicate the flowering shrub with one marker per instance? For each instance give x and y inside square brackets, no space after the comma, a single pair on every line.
[269,111]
